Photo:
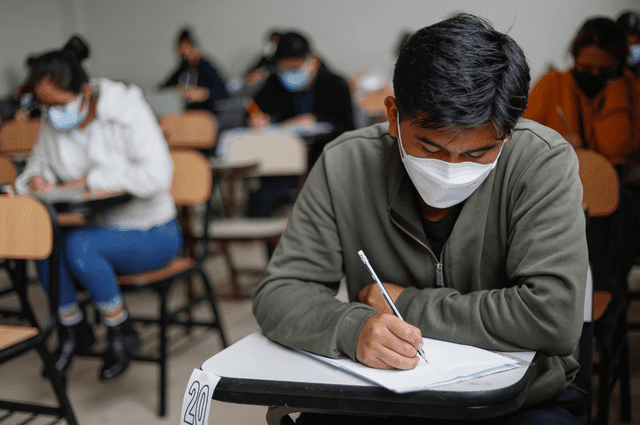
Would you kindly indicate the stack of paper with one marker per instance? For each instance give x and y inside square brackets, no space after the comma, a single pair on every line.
[447,363]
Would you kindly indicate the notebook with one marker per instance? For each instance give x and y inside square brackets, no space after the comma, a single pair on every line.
[448,363]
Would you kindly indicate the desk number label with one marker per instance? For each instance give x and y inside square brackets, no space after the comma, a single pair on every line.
[197,398]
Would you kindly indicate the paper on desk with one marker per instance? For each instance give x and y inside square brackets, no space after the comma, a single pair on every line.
[448,363]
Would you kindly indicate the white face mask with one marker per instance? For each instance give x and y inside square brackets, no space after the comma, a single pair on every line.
[69,116]
[443,184]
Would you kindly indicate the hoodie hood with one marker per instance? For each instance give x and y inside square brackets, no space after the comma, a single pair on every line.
[117,101]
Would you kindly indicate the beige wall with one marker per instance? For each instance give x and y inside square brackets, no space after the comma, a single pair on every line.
[133,39]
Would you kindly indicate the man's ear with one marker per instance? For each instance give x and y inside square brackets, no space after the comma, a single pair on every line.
[392,115]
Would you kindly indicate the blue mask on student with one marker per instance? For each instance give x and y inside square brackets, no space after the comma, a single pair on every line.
[294,81]
[69,116]
[634,55]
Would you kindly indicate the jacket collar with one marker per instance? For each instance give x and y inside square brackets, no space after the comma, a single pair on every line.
[403,202]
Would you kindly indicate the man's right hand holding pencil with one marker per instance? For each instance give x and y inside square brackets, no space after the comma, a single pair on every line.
[387,342]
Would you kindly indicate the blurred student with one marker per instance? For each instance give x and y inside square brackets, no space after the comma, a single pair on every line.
[261,69]
[101,134]
[302,92]
[596,105]
[630,23]
[196,78]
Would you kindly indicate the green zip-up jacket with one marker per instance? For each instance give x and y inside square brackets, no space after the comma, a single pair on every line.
[511,276]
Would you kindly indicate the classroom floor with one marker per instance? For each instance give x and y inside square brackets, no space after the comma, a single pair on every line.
[133,399]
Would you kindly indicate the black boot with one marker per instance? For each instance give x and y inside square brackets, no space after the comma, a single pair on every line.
[123,344]
[73,339]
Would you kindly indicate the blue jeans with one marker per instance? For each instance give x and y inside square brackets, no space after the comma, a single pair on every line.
[95,255]
[568,409]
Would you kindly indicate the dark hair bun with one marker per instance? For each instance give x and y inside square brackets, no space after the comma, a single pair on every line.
[185,34]
[77,47]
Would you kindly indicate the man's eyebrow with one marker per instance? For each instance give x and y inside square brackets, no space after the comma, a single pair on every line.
[480,149]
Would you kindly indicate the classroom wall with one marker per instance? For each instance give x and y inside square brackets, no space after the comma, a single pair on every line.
[133,40]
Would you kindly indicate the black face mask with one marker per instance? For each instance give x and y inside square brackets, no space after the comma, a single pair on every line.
[590,84]
[184,63]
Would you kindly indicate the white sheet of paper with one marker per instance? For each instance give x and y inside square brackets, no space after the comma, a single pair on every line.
[448,363]
[196,403]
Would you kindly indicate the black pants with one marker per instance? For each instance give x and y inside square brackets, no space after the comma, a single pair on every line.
[568,409]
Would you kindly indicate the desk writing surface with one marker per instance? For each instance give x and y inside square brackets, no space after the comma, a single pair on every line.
[256,357]
[79,200]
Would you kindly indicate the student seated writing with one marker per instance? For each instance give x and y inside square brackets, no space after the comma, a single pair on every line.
[471,217]
[101,134]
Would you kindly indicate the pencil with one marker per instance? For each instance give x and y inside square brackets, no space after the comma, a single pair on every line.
[385,294]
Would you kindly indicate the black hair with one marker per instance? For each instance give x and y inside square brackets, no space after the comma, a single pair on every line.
[402,40]
[605,34]
[461,74]
[630,22]
[62,68]
[291,45]
[185,34]
[77,47]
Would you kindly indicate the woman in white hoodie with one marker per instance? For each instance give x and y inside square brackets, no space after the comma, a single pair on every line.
[101,135]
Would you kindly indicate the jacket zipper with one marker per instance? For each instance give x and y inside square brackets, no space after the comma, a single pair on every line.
[439,264]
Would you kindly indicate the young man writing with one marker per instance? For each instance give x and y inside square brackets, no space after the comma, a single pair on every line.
[471,217]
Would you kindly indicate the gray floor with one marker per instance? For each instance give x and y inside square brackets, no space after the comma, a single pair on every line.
[133,399]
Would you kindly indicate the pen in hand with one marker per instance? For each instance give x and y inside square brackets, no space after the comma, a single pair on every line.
[385,294]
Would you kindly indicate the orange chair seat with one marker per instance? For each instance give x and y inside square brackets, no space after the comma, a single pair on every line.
[601,300]
[12,335]
[177,266]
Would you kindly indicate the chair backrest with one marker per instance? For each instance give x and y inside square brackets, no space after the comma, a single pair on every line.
[7,170]
[29,230]
[190,129]
[278,154]
[600,185]
[192,178]
[19,135]
[26,231]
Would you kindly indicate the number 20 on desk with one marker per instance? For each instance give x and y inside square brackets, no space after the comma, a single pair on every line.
[197,398]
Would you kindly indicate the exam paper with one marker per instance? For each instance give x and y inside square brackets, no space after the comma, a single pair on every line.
[448,363]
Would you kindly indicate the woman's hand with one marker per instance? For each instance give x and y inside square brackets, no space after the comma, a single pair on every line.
[39,185]
[79,183]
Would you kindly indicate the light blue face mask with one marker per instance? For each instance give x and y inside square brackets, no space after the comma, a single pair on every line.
[67,117]
[634,55]
[295,80]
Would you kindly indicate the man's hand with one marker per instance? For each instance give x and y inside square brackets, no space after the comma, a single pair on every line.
[259,120]
[194,93]
[39,185]
[386,342]
[372,296]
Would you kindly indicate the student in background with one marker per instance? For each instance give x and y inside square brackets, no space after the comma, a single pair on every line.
[22,96]
[196,78]
[101,134]
[471,217]
[302,92]
[630,23]
[265,65]
[596,105]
